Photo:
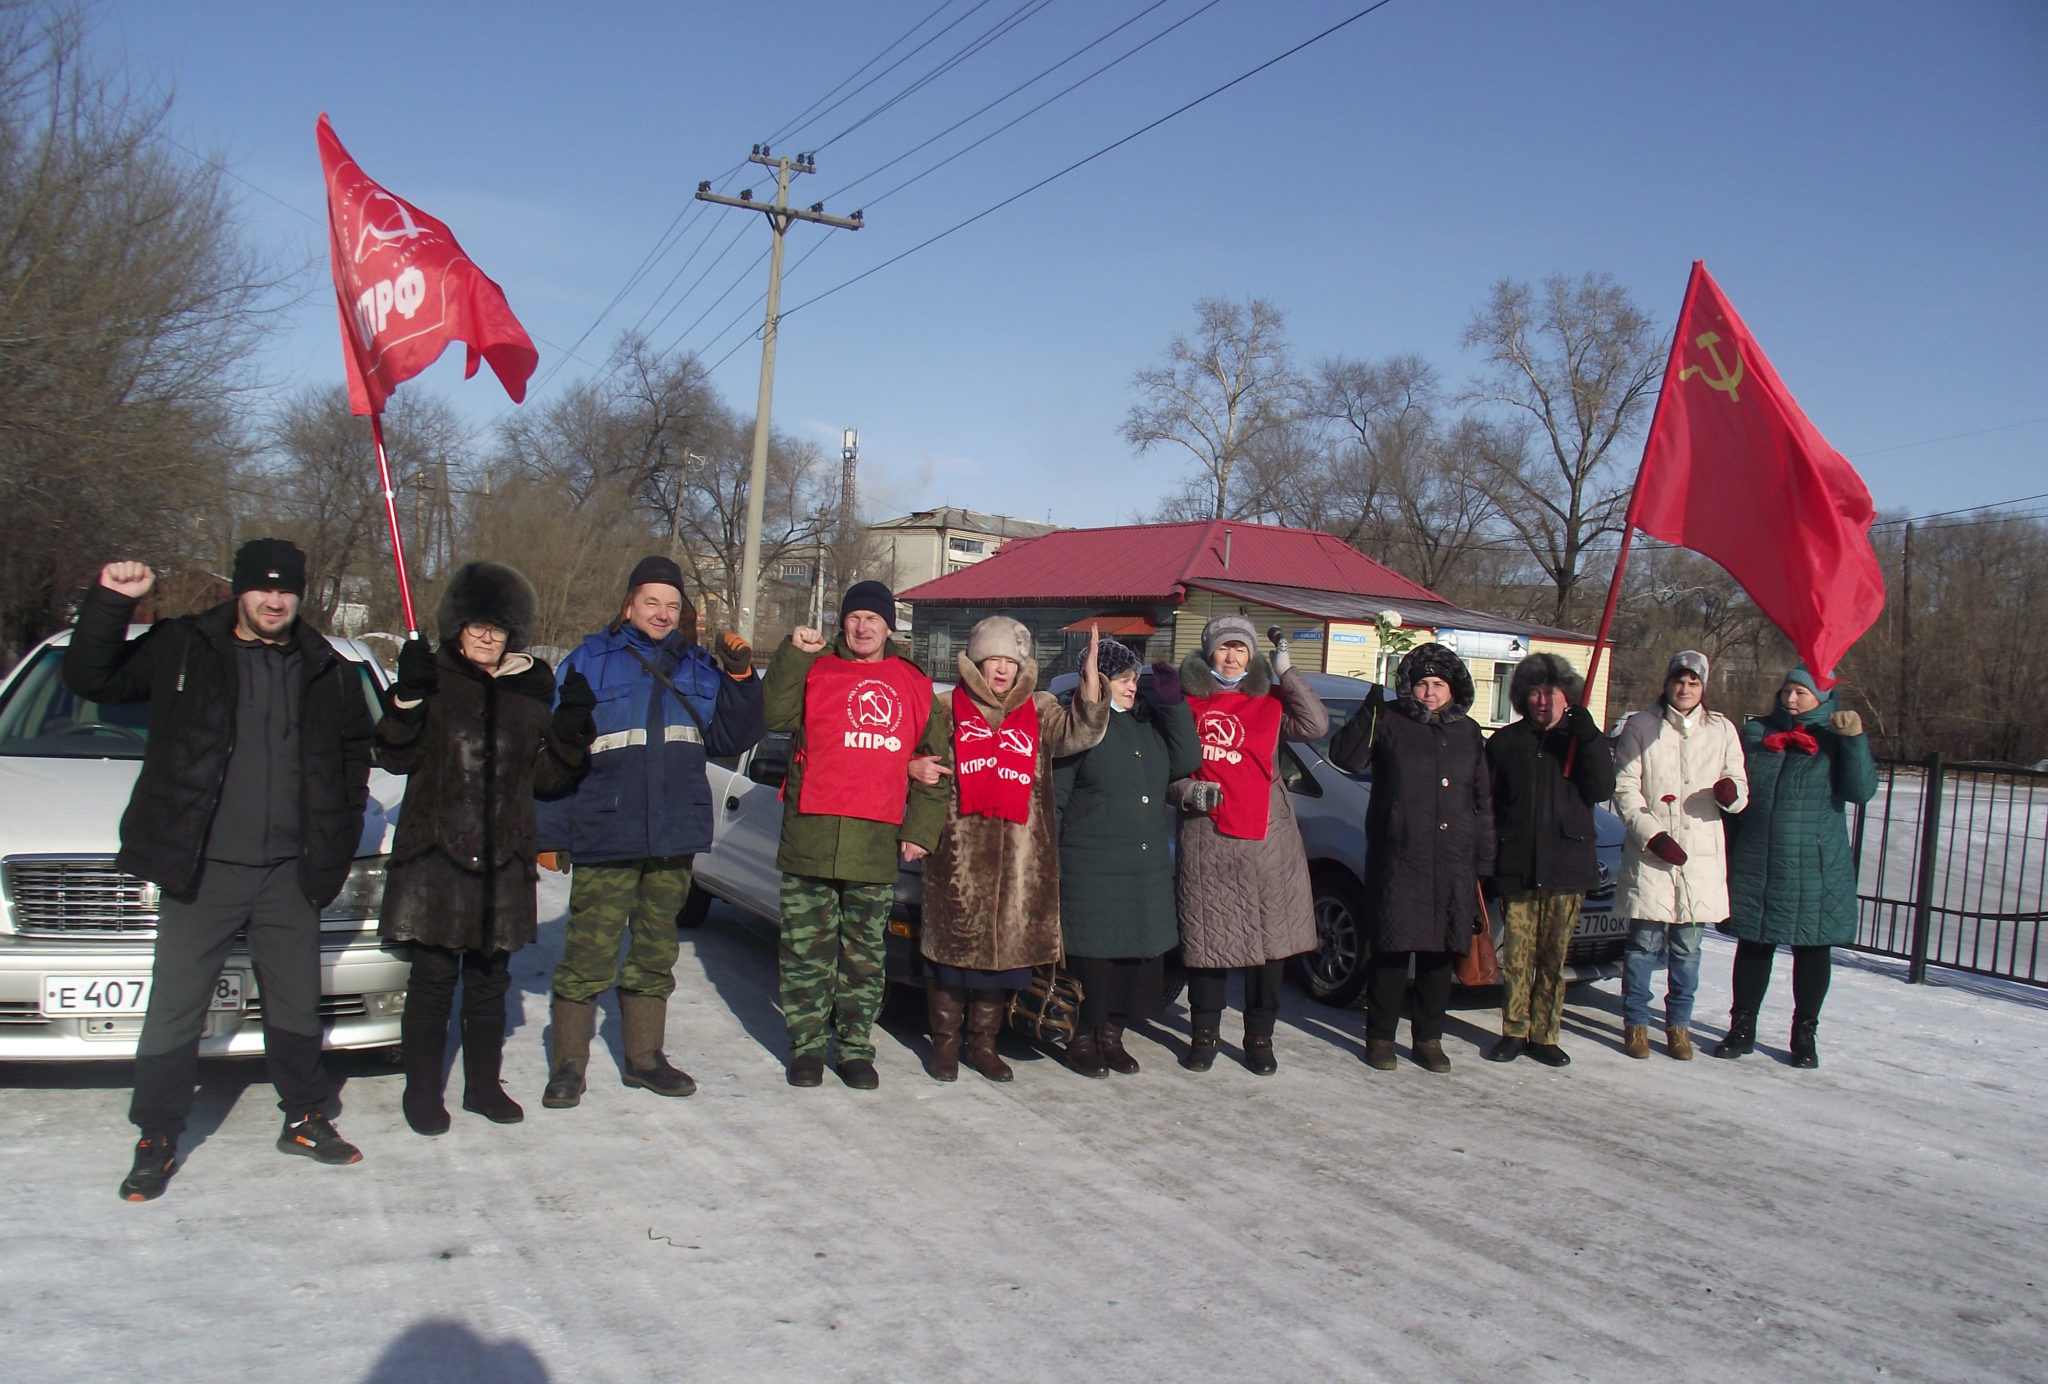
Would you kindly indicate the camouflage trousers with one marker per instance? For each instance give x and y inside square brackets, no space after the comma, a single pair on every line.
[633,899]
[835,934]
[1536,932]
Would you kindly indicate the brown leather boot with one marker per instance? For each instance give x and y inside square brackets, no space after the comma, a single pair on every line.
[1110,1038]
[986,1010]
[1635,1040]
[1678,1042]
[945,1008]
[1084,1053]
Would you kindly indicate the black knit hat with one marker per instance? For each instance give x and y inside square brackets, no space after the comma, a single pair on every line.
[1114,658]
[871,596]
[270,564]
[650,570]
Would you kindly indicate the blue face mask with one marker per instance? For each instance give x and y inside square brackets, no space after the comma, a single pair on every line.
[1226,682]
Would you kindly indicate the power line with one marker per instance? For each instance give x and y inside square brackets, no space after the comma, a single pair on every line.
[796,122]
[1967,509]
[974,46]
[791,133]
[1083,162]
[1952,437]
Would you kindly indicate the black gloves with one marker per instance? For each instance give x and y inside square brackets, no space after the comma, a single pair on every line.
[418,675]
[573,721]
[1581,724]
[737,656]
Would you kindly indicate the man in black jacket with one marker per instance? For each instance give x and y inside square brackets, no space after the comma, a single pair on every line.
[246,814]
[1547,858]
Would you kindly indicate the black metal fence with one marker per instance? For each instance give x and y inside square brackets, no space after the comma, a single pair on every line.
[1952,868]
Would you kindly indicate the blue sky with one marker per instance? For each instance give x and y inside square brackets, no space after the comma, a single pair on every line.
[1867,181]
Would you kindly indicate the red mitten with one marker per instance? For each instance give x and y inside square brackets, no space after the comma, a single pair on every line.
[1667,850]
[1724,792]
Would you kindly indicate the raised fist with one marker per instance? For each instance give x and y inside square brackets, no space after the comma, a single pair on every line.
[1846,723]
[807,640]
[130,579]
[418,675]
[737,655]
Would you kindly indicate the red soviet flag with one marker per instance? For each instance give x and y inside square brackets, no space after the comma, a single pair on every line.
[405,290]
[1734,470]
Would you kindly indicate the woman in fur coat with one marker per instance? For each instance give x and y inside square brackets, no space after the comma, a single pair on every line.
[1243,883]
[992,885]
[1678,769]
[473,728]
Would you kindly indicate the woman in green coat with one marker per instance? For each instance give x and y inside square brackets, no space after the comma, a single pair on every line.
[1791,878]
[1117,911]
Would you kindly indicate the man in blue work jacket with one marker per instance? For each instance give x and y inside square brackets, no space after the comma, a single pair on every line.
[632,825]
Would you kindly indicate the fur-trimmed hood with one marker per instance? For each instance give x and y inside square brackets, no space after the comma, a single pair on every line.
[1198,679]
[1543,670]
[489,593]
[1433,661]
[977,685]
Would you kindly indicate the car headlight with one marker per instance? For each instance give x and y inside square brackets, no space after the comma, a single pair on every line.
[361,897]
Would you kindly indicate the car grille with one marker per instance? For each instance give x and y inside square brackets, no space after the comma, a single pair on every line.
[331,1007]
[21,1012]
[86,899]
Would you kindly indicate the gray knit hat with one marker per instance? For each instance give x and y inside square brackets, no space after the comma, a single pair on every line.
[1223,629]
[1687,661]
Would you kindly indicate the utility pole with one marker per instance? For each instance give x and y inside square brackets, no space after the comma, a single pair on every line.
[780,216]
[1906,650]
[849,505]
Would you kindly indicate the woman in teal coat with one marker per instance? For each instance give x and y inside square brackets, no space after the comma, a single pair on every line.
[1117,910]
[1791,878]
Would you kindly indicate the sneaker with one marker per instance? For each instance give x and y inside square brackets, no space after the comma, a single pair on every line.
[314,1136]
[156,1158]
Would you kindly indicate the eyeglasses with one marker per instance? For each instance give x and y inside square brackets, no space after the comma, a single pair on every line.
[489,634]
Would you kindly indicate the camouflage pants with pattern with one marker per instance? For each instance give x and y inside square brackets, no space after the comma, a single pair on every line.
[835,934]
[1536,933]
[635,899]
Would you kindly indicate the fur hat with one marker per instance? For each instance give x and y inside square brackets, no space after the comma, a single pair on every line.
[1114,658]
[1434,661]
[1687,661]
[488,593]
[1225,628]
[999,637]
[1542,670]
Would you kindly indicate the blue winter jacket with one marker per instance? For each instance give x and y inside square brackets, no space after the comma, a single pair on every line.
[646,796]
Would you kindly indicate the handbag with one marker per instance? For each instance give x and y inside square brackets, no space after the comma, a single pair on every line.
[1049,1008]
[1481,964]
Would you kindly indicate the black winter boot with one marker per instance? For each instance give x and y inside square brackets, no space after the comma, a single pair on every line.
[483,1054]
[1741,1039]
[1203,1044]
[1110,1038]
[422,1040]
[1084,1054]
[1258,1054]
[1805,1050]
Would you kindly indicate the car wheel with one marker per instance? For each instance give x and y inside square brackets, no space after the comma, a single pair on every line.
[696,908]
[1334,973]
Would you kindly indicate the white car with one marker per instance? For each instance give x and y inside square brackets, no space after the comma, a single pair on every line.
[77,934]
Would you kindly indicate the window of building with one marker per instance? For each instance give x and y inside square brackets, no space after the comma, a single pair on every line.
[1503,678]
[963,545]
[792,572]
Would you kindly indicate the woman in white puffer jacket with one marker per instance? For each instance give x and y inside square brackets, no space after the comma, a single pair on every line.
[1680,769]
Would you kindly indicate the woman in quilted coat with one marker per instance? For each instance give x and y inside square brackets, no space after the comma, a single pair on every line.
[1679,769]
[1242,884]
[1791,879]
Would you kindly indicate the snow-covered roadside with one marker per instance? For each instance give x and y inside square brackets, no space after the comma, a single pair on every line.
[1617,1220]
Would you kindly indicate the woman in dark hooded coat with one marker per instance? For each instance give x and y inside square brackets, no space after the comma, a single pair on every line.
[1428,842]
[473,728]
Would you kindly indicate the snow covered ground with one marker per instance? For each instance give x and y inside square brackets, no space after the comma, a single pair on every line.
[1885,1216]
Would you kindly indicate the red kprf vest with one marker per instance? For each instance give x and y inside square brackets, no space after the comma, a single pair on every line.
[1240,736]
[862,722]
[994,766]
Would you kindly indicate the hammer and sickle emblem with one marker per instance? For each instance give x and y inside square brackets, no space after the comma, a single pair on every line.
[1726,381]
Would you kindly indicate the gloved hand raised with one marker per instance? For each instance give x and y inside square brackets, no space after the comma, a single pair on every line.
[1201,796]
[737,656]
[1581,724]
[1282,660]
[1846,723]
[573,721]
[419,675]
[1665,849]
[1166,685]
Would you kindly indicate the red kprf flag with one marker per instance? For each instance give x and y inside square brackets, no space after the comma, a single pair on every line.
[1735,471]
[405,290]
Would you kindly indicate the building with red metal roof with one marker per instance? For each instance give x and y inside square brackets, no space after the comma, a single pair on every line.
[1155,585]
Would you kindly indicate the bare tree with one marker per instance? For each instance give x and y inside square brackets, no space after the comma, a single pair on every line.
[1217,393]
[129,303]
[1578,366]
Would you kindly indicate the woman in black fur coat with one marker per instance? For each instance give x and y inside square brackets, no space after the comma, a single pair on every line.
[474,727]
